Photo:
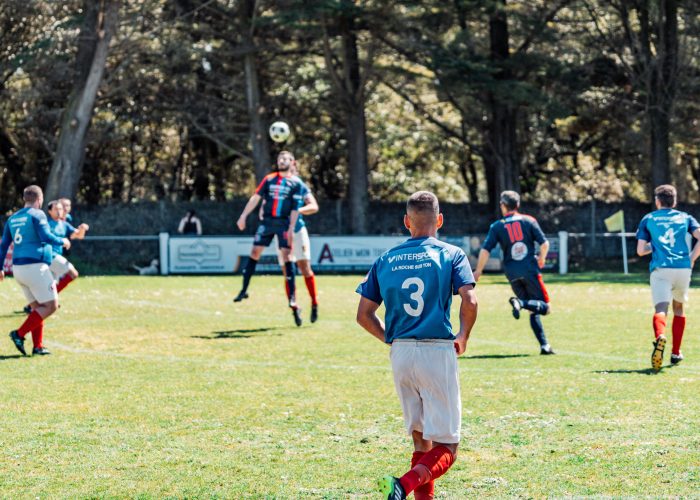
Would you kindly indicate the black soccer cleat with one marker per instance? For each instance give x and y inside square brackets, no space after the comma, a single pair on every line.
[314,313]
[27,309]
[546,350]
[657,355]
[296,312]
[241,296]
[516,305]
[391,488]
[676,358]
[18,341]
[41,351]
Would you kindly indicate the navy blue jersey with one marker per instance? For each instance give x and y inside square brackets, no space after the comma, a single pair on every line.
[62,229]
[29,230]
[517,235]
[280,195]
[669,232]
[416,281]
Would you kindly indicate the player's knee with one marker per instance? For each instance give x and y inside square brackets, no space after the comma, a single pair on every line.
[73,272]
[547,309]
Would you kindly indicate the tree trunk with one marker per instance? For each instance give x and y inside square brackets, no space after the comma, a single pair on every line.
[501,153]
[95,36]
[256,109]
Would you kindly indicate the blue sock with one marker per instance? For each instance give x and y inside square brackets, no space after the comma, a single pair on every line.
[538,329]
[289,276]
[248,273]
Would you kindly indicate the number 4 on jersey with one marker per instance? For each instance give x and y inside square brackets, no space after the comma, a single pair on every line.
[669,238]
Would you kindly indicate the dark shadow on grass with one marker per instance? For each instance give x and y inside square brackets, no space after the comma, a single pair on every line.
[642,371]
[498,356]
[13,356]
[244,333]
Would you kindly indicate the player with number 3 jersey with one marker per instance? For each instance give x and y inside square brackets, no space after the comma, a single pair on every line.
[665,234]
[416,281]
[517,234]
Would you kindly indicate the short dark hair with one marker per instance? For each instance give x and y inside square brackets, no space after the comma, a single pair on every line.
[32,193]
[666,194]
[510,199]
[52,203]
[423,202]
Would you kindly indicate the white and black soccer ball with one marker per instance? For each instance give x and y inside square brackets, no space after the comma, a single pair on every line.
[279,131]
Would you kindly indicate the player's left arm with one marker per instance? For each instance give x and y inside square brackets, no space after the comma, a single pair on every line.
[310,205]
[467,317]
[367,318]
[77,233]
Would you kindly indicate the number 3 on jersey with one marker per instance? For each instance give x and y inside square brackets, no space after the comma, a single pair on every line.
[416,296]
[669,238]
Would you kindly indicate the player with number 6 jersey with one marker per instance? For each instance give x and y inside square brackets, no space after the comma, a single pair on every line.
[665,234]
[416,281]
[517,234]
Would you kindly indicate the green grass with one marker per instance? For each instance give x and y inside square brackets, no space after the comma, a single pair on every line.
[161,387]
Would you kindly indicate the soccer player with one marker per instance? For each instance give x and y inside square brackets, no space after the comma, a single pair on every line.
[517,234]
[67,208]
[29,230]
[63,270]
[665,234]
[416,281]
[279,191]
[301,247]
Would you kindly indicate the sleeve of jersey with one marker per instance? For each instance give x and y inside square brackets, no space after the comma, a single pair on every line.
[692,224]
[537,232]
[44,231]
[5,243]
[642,231]
[461,272]
[490,241]
[261,187]
[69,228]
[369,288]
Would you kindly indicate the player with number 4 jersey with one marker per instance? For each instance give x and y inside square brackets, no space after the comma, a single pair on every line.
[517,234]
[665,234]
[416,281]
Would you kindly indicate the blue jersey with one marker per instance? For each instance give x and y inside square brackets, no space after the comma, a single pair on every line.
[303,193]
[416,280]
[668,230]
[517,235]
[32,238]
[280,195]
[62,229]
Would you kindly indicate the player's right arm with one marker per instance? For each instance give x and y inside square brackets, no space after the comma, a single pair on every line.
[250,206]
[643,238]
[485,252]
[367,318]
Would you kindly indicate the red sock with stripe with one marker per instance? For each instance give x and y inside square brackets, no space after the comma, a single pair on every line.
[659,324]
[63,282]
[678,328]
[38,336]
[30,323]
[429,468]
[311,287]
[425,491]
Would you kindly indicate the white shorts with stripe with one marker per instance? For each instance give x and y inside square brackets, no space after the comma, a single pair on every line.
[59,266]
[427,382]
[36,281]
[301,247]
[670,283]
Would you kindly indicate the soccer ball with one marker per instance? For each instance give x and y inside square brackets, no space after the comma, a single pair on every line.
[279,131]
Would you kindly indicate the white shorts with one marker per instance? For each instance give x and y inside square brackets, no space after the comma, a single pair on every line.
[301,247]
[669,283]
[427,382]
[36,281]
[59,266]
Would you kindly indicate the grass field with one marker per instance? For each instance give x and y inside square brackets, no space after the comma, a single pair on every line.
[161,387]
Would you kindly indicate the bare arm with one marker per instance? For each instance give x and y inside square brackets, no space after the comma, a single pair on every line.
[310,207]
[481,263]
[367,318]
[249,207]
[544,250]
[79,233]
[199,226]
[181,227]
[467,317]
[644,248]
[696,249]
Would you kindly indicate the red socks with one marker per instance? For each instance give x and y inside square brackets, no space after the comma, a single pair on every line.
[425,491]
[659,323]
[32,321]
[311,287]
[63,282]
[431,466]
[38,336]
[678,329]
